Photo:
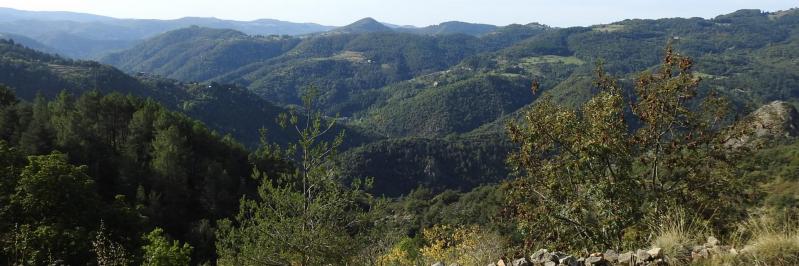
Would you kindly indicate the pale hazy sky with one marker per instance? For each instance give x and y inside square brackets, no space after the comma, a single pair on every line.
[408,12]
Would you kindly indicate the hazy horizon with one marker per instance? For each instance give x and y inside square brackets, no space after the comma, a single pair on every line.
[409,12]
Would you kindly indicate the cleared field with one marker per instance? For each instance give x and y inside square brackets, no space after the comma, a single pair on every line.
[552,59]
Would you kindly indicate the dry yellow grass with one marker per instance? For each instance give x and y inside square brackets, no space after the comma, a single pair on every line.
[677,235]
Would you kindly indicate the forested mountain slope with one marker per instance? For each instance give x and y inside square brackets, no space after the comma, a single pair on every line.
[411,85]
[748,56]
[117,163]
[400,85]
[343,64]
[225,108]
[434,91]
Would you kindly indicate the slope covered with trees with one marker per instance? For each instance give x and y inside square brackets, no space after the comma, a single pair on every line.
[225,108]
[391,81]
[450,88]
[342,63]
[117,161]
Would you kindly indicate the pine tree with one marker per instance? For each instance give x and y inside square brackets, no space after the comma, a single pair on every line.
[38,136]
[303,217]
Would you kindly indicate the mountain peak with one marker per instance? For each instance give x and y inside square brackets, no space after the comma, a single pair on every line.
[364,25]
[366,20]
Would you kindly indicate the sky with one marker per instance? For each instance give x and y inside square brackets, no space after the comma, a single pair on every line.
[559,13]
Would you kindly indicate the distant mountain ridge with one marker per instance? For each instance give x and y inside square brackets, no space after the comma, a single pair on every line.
[10,14]
[453,27]
[27,42]
[87,36]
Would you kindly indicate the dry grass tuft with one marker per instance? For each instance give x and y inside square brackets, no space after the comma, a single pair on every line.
[677,235]
[771,242]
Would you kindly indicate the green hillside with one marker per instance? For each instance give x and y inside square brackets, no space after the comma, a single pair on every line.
[398,85]
[342,64]
[393,82]
[225,108]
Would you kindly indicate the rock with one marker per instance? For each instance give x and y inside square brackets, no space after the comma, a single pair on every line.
[558,256]
[776,120]
[655,253]
[550,263]
[438,264]
[704,253]
[567,260]
[642,255]
[538,256]
[521,262]
[553,257]
[594,260]
[611,255]
[658,263]
[700,254]
[625,258]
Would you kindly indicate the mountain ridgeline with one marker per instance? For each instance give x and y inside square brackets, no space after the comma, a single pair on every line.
[87,36]
[401,84]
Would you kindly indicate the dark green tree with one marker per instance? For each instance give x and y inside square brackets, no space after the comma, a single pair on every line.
[37,137]
[54,208]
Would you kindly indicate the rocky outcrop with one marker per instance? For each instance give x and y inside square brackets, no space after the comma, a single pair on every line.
[777,119]
[774,121]
[642,257]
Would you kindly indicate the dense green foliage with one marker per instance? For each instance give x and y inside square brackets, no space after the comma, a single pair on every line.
[142,165]
[441,164]
[52,211]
